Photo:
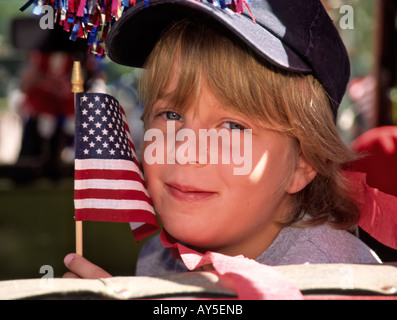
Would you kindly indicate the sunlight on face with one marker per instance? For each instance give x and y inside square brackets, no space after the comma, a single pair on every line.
[259,169]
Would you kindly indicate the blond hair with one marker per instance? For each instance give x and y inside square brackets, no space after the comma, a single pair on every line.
[291,103]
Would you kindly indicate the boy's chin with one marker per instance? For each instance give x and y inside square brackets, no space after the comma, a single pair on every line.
[194,238]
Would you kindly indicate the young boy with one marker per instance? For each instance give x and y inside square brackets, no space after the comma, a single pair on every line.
[276,73]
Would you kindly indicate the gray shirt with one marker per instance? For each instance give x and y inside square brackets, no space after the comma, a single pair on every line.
[319,244]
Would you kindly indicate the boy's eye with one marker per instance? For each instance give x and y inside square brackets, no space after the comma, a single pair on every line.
[170,115]
[233,125]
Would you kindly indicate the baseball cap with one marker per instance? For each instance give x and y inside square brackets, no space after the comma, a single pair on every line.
[297,36]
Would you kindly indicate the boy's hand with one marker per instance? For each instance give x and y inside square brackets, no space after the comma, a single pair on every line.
[81,268]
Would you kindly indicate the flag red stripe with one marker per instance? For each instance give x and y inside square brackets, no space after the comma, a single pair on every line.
[115,215]
[107,174]
[111,194]
[144,231]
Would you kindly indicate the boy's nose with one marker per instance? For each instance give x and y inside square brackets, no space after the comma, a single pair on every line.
[185,149]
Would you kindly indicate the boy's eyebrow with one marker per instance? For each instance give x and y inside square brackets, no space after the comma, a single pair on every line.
[170,100]
[162,103]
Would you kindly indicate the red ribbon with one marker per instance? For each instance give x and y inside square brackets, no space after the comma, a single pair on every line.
[248,278]
[71,6]
[378,210]
[115,6]
[81,6]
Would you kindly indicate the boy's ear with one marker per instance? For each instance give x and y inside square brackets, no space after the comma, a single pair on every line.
[303,175]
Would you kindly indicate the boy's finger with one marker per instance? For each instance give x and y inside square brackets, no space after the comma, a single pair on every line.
[83,268]
[70,275]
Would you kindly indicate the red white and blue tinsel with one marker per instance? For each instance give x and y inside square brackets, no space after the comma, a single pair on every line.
[92,19]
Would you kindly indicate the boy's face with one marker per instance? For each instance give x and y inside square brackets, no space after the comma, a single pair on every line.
[207,205]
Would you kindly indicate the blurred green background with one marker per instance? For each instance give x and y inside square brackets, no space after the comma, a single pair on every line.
[37,228]
[36,217]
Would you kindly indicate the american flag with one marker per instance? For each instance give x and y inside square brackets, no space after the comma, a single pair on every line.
[109,184]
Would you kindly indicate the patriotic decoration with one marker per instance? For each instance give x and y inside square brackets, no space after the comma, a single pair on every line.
[109,184]
[92,19]
[88,19]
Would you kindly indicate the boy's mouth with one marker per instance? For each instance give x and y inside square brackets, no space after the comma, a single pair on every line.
[188,193]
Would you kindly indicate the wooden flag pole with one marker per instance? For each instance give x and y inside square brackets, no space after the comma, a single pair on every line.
[77,87]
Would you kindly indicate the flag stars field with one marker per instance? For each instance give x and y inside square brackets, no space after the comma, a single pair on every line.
[94,124]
